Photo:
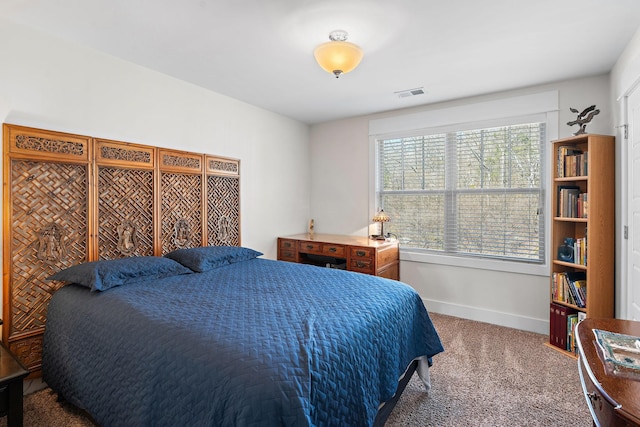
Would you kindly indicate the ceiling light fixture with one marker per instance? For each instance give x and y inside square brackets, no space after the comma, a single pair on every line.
[338,56]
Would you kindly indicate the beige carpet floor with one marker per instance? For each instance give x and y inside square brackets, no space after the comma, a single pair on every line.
[487,376]
[494,376]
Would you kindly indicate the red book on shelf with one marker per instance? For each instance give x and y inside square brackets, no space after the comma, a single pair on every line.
[553,338]
[558,324]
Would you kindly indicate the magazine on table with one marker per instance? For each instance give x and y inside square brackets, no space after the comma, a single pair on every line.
[620,353]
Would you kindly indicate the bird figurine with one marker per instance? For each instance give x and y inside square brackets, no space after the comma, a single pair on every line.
[581,120]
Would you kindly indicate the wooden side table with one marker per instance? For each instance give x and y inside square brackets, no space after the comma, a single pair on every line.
[613,401]
[12,372]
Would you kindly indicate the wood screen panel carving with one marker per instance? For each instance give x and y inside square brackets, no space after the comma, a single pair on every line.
[45,228]
[49,232]
[223,201]
[124,154]
[180,211]
[223,222]
[72,198]
[125,212]
[182,195]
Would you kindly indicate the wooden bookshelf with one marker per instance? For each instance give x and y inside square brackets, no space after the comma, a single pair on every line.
[592,221]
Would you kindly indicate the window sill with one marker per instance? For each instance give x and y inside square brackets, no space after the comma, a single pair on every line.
[484,264]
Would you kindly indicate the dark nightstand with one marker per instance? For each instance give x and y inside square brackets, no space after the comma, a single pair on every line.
[11,375]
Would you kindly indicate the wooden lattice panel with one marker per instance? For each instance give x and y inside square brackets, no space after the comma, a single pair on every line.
[180,161]
[28,350]
[222,166]
[49,221]
[223,211]
[121,153]
[125,212]
[180,211]
[71,198]
[42,143]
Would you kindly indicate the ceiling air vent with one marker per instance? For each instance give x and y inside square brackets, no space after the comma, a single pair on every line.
[410,92]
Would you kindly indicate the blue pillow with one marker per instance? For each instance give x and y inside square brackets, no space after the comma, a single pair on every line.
[207,258]
[103,275]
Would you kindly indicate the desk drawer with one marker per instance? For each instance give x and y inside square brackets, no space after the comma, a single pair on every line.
[387,256]
[310,247]
[287,250]
[287,244]
[288,255]
[362,265]
[360,253]
[391,271]
[333,250]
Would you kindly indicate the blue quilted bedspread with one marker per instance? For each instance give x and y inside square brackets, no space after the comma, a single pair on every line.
[255,343]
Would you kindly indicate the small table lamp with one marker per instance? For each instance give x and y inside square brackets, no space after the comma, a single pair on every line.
[381,217]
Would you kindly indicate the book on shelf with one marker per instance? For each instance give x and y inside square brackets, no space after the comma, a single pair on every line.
[570,288]
[580,251]
[559,327]
[583,205]
[572,321]
[563,152]
[563,193]
[553,338]
[577,283]
[571,162]
[572,202]
[558,289]
[581,288]
[572,293]
[576,164]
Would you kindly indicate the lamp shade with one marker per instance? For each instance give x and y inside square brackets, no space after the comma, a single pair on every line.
[338,56]
[381,216]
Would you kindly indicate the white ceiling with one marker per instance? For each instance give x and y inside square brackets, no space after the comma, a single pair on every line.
[261,51]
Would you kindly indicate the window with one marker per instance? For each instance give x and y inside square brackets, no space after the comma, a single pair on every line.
[475,193]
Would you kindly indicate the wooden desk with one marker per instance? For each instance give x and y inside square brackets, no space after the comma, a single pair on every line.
[361,254]
[613,401]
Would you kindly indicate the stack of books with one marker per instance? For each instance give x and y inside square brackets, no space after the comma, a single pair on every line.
[570,288]
[572,162]
[572,202]
[563,321]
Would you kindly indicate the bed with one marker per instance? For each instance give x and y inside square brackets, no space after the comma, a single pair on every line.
[126,286]
[218,336]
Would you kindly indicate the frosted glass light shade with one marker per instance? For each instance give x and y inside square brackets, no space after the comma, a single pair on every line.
[338,57]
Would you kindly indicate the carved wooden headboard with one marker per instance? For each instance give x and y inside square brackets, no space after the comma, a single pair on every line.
[72,198]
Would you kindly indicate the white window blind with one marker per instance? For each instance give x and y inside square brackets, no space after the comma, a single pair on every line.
[470,192]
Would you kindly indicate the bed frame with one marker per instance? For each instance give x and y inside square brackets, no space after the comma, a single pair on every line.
[70,198]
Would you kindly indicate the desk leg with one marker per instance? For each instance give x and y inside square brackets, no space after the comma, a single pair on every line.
[14,416]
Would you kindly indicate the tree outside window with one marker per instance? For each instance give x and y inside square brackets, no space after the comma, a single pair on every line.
[470,193]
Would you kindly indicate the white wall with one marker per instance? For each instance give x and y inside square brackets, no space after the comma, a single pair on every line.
[340,204]
[54,84]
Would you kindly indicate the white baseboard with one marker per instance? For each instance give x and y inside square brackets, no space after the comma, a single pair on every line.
[510,320]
